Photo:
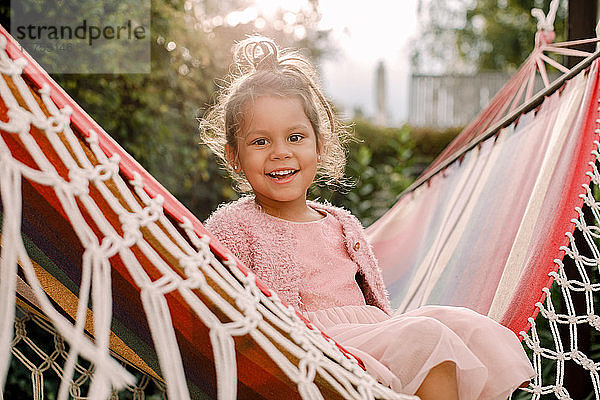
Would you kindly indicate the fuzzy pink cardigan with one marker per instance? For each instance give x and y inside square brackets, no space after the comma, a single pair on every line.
[266,246]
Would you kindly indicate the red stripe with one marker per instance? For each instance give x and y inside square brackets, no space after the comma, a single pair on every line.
[530,289]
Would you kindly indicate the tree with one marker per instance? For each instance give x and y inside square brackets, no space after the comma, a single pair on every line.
[469,35]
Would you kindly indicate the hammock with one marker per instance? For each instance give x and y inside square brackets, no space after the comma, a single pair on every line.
[467,237]
[510,207]
[95,247]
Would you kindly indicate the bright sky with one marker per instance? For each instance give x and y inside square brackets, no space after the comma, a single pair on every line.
[366,33]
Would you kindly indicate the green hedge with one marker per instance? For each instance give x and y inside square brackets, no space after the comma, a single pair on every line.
[383,162]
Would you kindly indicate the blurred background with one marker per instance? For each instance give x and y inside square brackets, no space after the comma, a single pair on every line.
[406,74]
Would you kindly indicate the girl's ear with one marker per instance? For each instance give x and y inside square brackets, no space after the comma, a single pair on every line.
[232,158]
[319,151]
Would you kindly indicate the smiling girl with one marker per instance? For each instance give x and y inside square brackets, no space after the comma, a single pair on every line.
[278,156]
[275,133]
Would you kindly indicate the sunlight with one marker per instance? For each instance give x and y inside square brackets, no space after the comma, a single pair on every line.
[235,18]
[259,12]
[268,8]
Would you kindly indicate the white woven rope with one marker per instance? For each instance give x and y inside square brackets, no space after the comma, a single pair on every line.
[546,22]
[250,313]
[48,360]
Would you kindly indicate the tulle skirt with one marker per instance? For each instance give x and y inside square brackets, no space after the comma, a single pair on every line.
[400,350]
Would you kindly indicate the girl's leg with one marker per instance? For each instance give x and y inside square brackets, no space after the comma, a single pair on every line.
[440,383]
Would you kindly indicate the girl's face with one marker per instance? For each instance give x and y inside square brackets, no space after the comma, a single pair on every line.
[277,150]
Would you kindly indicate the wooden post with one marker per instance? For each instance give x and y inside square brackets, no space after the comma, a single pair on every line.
[582,25]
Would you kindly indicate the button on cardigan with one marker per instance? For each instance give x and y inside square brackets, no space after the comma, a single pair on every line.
[267,246]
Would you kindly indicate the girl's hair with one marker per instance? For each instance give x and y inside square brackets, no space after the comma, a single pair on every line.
[261,69]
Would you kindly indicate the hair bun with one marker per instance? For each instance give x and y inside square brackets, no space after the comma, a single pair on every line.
[258,52]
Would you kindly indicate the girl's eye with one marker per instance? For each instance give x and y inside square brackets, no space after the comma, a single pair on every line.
[296,137]
[260,142]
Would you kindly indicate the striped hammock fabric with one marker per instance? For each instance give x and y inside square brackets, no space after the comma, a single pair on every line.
[485,233]
[99,248]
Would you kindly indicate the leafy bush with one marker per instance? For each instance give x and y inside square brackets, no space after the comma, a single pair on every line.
[380,165]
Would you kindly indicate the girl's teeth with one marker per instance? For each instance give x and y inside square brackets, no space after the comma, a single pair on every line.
[281,173]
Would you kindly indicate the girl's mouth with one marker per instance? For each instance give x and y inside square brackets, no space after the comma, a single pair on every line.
[282,174]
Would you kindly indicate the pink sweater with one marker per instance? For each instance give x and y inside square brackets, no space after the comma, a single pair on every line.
[267,246]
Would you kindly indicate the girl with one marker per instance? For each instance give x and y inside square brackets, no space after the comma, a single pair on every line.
[275,132]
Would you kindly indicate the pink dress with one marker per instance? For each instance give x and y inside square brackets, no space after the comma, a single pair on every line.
[400,350]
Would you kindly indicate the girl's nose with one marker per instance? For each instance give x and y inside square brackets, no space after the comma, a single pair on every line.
[280,151]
